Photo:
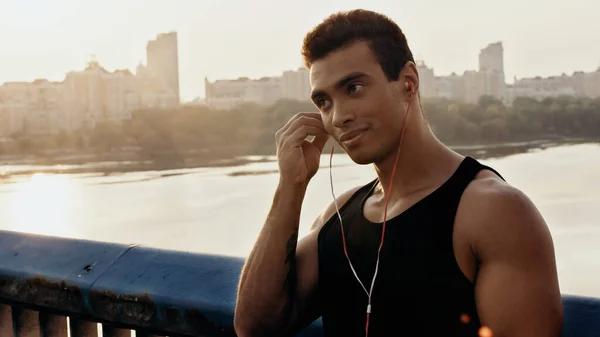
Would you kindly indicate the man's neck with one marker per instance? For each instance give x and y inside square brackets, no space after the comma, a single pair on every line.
[424,161]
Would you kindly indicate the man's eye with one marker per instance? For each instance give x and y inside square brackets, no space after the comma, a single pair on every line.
[353,88]
[322,102]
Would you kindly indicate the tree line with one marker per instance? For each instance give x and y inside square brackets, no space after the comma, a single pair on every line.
[249,129]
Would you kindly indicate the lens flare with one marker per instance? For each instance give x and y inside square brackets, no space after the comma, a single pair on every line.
[484,331]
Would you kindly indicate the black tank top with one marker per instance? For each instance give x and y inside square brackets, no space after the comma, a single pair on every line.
[420,290]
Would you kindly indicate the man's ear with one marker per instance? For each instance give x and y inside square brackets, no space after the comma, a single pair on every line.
[409,76]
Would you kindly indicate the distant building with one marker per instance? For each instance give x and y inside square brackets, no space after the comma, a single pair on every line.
[451,87]
[152,92]
[579,84]
[84,99]
[14,102]
[491,58]
[227,94]
[45,108]
[92,95]
[84,92]
[296,84]
[96,95]
[474,85]
[427,81]
[163,61]
[31,108]
[471,85]
[491,69]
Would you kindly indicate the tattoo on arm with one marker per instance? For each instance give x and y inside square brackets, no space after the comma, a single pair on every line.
[290,259]
[290,280]
[290,249]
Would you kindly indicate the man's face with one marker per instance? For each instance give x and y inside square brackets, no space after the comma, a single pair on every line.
[361,109]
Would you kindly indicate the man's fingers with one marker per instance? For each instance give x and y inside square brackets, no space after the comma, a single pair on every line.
[298,136]
[320,140]
[300,115]
[298,123]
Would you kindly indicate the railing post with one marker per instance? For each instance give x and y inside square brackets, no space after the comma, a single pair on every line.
[26,323]
[53,325]
[81,328]
[6,322]
[110,331]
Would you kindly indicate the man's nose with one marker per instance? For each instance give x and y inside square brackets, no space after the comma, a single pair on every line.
[342,116]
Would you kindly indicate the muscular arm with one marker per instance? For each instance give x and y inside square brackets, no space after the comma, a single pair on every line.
[278,285]
[265,303]
[517,289]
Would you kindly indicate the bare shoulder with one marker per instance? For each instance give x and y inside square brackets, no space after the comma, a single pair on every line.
[499,215]
[516,286]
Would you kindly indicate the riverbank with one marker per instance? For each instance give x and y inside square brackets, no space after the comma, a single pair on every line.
[118,163]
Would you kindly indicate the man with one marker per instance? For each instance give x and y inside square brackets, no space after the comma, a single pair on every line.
[464,253]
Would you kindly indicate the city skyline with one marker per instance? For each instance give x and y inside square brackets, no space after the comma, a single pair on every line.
[93,95]
[93,58]
[34,41]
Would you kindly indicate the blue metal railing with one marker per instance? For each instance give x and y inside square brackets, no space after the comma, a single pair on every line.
[44,280]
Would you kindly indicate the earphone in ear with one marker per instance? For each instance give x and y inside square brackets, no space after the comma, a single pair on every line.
[411,87]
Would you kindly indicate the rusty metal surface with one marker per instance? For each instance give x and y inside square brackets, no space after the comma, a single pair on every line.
[181,292]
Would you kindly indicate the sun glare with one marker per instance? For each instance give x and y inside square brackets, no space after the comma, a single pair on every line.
[42,205]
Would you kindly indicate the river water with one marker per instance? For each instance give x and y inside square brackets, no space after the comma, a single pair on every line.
[221,210]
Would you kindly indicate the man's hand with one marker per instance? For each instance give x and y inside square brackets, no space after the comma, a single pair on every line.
[299,158]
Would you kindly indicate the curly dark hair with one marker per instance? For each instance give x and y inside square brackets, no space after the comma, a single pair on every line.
[385,38]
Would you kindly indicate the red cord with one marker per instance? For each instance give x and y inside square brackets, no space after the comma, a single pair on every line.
[387,198]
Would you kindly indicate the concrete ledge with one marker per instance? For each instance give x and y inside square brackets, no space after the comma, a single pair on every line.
[159,290]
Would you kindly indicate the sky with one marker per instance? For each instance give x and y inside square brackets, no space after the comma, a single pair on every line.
[232,38]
